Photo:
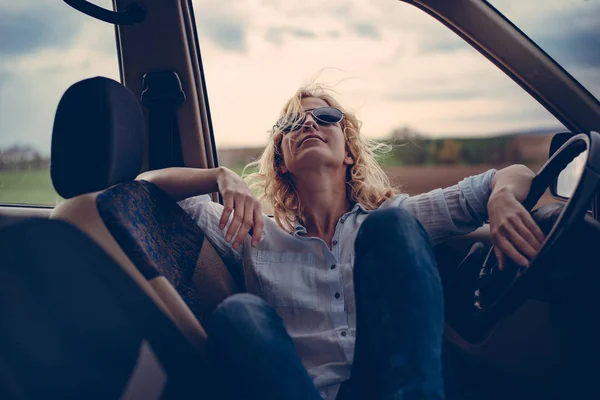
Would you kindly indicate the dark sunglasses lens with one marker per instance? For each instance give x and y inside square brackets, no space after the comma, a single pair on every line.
[328,115]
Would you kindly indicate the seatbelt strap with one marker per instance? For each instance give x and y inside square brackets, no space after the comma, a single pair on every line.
[162,94]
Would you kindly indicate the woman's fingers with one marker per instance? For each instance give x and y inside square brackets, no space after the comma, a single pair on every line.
[525,232]
[499,257]
[247,217]
[238,217]
[228,201]
[514,232]
[240,206]
[247,222]
[533,227]
[519,241]
[258,226]
[509,250]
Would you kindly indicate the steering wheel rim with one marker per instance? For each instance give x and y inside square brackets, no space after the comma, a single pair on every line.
[500,292]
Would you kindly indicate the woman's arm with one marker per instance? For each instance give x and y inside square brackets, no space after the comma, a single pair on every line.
[454,210]
[181,183]
[515,179]
[513,231]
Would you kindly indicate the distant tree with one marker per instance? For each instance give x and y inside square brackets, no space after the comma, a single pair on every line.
[22,157]
[450,152]
[404,133]
[410,146]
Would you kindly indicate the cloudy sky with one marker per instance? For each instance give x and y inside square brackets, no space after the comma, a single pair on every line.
[390,63]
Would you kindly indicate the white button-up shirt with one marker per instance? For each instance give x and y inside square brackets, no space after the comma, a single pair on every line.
[311,286]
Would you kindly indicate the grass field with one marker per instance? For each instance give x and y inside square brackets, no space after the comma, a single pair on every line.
[28,187]
[35,187]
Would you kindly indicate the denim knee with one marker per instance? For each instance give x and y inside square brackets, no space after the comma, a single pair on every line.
[242,313]
[395,225]
[241,303]
[242,308]
[392,241]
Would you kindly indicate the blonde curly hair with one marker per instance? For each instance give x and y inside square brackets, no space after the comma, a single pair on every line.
[366,182]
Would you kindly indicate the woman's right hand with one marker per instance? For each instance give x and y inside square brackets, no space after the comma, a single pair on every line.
[246,209]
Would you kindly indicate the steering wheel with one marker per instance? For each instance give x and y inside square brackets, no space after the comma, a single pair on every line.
[498,292]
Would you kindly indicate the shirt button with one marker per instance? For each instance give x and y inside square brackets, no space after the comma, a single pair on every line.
[333,266]
[337,295]
[343,333]
[335,242]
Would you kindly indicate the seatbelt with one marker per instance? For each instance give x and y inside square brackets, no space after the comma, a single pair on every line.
[162,94]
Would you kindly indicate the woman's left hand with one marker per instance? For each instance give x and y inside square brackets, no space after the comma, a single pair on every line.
[514,232]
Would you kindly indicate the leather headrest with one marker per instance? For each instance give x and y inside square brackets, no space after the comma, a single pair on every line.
[98,139]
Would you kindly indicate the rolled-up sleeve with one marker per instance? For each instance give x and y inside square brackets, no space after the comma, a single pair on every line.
[455,210]
[207,215]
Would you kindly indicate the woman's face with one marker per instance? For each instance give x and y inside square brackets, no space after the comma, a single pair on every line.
[313,146]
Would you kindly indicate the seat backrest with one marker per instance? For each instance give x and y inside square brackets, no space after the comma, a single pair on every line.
[97,152]
[76,326]
[162,240]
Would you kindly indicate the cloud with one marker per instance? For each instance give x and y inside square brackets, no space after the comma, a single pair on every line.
[367,30]
[440,43]
[578,39]
[580,46]
[227,32]
[32,82]
[466,77]
[4,75]
[507,114]
[256,53]
[276,35]
[429,93]
[26,30]
[567,30]
[418,73]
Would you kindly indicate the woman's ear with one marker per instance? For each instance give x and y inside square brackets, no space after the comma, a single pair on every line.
[349,160]
[283,169]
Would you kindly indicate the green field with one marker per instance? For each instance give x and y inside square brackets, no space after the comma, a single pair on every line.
[27,187]
[35,187]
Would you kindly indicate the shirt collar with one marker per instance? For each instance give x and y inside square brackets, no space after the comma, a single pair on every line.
[299,229]
[359,207]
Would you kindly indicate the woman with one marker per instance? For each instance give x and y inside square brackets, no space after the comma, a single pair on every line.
[343,288]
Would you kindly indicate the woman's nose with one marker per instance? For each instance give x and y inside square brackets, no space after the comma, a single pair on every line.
[309,121]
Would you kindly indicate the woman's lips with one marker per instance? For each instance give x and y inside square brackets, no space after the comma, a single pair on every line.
[311,137]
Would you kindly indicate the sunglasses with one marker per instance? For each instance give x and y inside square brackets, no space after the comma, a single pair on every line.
[322,116]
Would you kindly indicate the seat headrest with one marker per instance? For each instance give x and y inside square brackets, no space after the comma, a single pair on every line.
[98,138]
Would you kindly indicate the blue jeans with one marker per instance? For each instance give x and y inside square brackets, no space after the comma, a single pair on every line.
[399,325]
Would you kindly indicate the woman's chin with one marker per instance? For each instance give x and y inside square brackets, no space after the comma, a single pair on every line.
[315,157]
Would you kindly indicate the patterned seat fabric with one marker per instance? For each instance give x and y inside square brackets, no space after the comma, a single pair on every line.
[162,240]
